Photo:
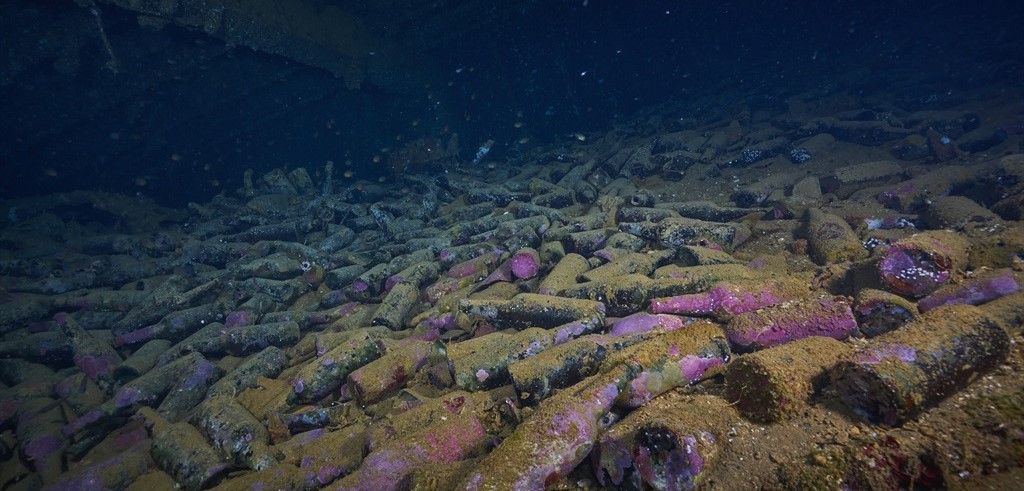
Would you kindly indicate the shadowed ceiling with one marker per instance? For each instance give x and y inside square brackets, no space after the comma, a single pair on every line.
[134,94]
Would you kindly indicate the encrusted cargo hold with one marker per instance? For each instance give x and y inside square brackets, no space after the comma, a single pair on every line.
[766,281]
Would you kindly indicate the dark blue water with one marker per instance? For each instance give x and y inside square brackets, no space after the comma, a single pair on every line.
[184,113]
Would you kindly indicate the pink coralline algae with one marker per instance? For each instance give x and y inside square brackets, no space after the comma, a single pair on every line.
[83,421]
[831,317]
[134,337]
[41,448]
[127,396]
[95,366]
[238,318]
[360,286]
[463,269]
[643,322]
[972,292]
[442,322]
[720,300]
[693,367]
[442,287]
[911,273]
[477,266]
[672,466]
[553,441]
[446,256]
[525,264]
[575,329]
[391,281]
[482,375]
[654,381]
[388,467]
[920,264]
